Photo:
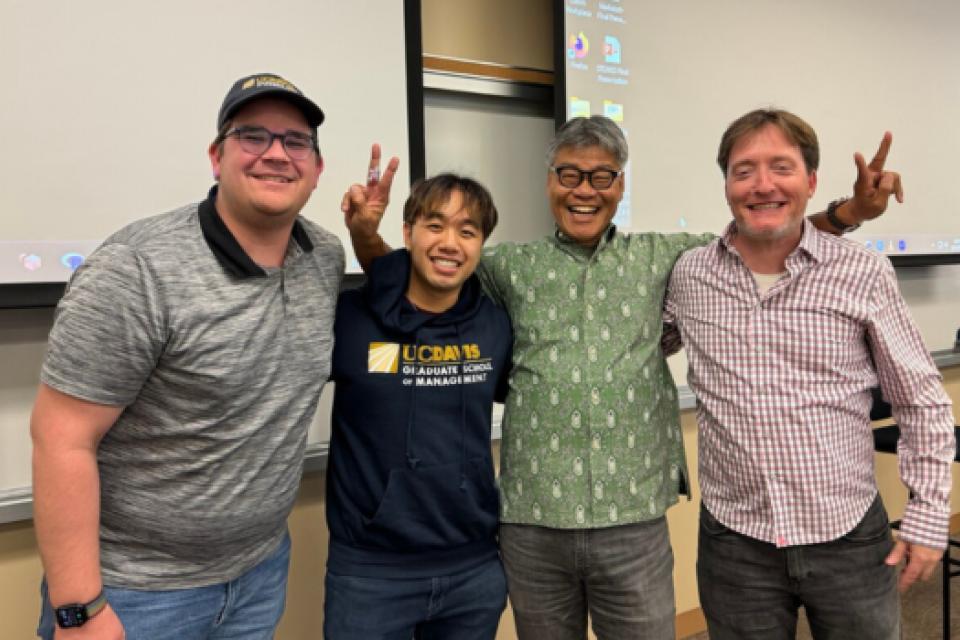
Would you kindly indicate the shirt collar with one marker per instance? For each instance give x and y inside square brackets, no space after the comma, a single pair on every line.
[810,246]
[575,248]
[225,247]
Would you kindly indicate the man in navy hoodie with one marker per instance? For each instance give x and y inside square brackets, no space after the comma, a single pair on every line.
[421,354]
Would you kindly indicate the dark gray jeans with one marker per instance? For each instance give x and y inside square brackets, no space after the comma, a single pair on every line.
[621,575]
[751,590]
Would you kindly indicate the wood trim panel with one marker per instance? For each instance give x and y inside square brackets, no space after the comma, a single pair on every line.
[487,70]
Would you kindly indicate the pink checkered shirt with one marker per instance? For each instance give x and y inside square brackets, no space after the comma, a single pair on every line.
[782,382]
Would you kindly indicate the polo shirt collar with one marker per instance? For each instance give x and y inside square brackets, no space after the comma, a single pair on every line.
[225,247]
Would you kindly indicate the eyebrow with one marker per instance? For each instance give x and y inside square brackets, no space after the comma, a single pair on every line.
[599,167]
[255,127]
[440,215]
[753,163]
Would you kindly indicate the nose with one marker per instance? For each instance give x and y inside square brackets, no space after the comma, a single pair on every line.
[763,181]
[585,189]
[276,151]
[448,240]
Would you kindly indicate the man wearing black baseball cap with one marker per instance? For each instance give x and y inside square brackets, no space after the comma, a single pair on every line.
[164,474]
[261,85]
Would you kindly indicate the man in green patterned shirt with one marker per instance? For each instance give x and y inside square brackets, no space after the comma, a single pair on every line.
[592,453]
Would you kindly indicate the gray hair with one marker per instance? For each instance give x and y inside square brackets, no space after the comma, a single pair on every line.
[595,131]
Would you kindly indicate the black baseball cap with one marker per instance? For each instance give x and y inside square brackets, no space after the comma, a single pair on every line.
[260,85]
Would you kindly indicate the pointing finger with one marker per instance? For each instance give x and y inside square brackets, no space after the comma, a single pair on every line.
[386,181]
[373,170]
[880,158]
[863,173]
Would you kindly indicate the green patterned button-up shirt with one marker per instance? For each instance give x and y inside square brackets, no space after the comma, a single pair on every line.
[591,429]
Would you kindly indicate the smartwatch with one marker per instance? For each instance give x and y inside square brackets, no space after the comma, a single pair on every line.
[76,615]
[837,223]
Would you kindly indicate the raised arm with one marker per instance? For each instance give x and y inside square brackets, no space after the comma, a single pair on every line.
[871,191]
[66,502]
[363,207]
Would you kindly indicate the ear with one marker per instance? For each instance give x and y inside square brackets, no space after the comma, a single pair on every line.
[214,152]
[316,177]
[407,235]
[812,182]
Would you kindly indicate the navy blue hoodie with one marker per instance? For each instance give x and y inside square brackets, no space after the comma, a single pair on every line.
[410,481]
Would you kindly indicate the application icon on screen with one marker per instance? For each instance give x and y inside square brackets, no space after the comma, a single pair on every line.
[613,110]
[30,261]
[577,46]
[611,50]
[71,260]
[579,108]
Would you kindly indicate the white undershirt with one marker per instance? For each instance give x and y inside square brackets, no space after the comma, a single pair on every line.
[767,280]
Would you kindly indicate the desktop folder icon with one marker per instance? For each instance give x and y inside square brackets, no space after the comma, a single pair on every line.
[579,108]
[613,110]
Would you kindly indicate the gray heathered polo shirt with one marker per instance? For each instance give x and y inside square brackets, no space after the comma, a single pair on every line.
[220,376]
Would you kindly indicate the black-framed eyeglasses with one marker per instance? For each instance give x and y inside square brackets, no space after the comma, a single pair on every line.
[257,140]
[571,177]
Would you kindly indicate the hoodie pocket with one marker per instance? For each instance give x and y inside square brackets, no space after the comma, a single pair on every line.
[434,507]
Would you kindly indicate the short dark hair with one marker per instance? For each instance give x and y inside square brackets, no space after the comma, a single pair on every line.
[430,194]
[796,130]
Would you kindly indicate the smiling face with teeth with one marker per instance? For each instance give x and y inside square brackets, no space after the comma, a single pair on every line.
[444,245]
[767,187]
[584,213]
[270,189]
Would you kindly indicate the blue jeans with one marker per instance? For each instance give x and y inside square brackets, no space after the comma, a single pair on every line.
[621,575]
[751,590]
[246,608]
[464,606]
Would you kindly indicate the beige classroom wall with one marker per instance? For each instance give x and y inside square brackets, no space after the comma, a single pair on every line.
[20,562]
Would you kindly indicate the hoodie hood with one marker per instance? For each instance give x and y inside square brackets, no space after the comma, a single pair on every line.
[385,294]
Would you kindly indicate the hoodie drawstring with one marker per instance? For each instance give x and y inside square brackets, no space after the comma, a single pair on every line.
[412,460]
[463,416]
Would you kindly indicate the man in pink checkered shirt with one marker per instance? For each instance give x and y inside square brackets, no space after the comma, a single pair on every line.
[787,329]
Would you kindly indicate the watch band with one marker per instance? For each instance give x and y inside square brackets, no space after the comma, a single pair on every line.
[76,615]
[837,223]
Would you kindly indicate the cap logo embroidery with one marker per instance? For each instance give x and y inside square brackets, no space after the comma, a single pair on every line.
[270,81]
